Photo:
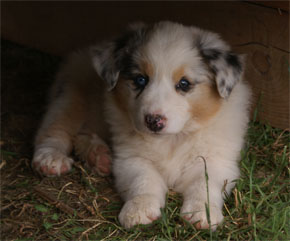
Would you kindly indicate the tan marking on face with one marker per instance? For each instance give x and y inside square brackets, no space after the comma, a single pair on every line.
[147,68]
[207,104]
[121,95]
[178,74]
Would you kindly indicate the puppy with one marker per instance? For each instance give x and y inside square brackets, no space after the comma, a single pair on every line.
[176,111]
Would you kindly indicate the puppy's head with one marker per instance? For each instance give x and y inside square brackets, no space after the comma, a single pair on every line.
[168,78]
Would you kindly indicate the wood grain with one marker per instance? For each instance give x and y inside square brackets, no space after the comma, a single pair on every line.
[284,5]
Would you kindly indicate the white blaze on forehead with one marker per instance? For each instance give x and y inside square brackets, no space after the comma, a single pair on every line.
[171,46]
[167,50]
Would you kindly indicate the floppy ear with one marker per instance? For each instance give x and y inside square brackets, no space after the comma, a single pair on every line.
[104,63]
[226,65]
[111,59]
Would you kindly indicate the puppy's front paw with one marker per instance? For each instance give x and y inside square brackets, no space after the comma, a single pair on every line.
[196,213]
[99,159]
[95,152]
[142,209]
[50,162]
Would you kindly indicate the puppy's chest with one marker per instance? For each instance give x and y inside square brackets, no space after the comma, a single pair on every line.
[170,158]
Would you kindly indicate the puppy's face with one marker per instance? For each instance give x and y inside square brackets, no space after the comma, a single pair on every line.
[169,78]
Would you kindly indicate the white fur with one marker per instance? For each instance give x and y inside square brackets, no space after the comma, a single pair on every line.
[145,164]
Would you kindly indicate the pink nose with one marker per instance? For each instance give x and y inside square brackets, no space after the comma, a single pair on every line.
[155,122]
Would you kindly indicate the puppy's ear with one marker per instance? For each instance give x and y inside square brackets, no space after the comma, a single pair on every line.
[111,59]
[104,63]
[226,65]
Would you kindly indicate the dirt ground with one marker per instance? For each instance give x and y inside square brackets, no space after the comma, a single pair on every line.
[28,202]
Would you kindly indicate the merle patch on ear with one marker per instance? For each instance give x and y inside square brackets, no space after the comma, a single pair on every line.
[211,54]
[116,57]
[226,65]
[234,61]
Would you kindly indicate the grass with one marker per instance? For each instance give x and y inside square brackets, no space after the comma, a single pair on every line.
[83,206]
[258,209]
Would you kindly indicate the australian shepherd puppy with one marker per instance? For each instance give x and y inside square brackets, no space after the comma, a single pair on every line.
[170,101]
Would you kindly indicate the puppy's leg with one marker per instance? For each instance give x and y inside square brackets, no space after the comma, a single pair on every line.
[143,190]
[54,139]
[195,193]
[92,149]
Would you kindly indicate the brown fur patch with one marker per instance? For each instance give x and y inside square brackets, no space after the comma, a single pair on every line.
[178,74]
[147,68]
[208,103]
[121,95]
[67,122]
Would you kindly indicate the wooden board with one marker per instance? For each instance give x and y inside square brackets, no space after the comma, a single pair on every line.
[261,33]
[282,5]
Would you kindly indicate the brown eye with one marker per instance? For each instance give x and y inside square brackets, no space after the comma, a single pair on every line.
[183,85]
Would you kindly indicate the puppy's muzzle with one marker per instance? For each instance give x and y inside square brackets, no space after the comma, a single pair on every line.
[155,122]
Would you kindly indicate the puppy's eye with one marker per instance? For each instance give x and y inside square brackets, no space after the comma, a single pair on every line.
[140,81]
[183,85]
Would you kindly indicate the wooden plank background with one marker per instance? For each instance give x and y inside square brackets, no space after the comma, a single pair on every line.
[261,33]
[282,5]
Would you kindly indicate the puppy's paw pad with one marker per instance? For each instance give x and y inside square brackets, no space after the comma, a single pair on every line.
[197,216]
[49,162]
[100,159]
[143,209]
